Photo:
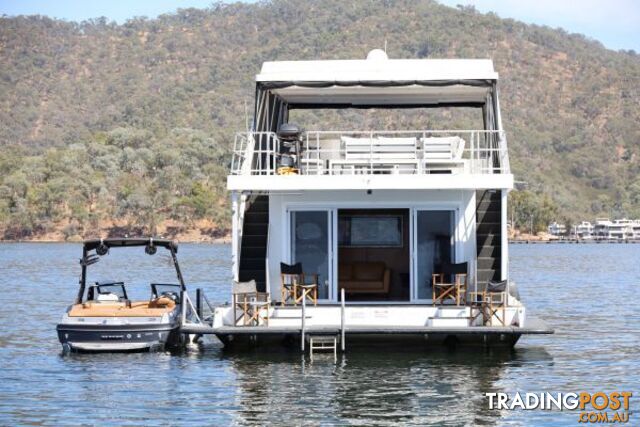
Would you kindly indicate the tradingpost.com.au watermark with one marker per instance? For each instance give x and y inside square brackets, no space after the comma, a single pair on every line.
[594,407]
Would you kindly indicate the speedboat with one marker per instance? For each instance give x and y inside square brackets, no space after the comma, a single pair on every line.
[104,319]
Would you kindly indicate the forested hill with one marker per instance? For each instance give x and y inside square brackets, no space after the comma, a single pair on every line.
[128,127]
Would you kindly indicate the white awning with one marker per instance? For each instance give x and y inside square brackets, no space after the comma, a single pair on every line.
[382,95]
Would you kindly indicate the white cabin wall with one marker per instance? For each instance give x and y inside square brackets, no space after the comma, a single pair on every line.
[235,233]
[467,228]
[277,247]
[461,200]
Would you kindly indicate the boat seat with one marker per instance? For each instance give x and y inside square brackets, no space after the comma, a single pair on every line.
[162,302]
[110,297]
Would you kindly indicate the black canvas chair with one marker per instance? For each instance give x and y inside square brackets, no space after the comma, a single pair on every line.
[450,283]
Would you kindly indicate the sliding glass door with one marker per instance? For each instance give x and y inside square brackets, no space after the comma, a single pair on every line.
[433,246]
[312,245]
[313,242]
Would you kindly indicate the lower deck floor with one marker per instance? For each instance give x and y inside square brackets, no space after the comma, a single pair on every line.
[370,324]
[373,316]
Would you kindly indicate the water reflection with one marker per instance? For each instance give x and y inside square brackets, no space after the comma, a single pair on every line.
[436,388]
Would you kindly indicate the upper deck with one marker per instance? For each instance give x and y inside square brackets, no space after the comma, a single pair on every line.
[372,159]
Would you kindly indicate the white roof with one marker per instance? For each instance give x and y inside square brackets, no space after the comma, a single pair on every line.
[377,69]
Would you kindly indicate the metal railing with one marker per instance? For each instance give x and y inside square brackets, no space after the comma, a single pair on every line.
[376,152]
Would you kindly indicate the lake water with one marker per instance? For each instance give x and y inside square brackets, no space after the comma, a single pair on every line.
[586,292]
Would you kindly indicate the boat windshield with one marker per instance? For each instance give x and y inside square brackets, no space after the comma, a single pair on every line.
[107,291]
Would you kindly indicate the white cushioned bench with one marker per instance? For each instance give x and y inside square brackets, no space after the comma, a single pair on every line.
[384,152]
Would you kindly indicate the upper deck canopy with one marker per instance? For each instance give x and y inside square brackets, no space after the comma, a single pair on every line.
[378,81]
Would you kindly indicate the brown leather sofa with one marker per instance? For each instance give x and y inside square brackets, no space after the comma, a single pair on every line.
[364,278]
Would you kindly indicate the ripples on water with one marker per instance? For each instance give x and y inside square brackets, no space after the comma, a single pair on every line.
[586,292]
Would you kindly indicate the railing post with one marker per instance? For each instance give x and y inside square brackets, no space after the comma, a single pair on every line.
[246,168]
[184,297]
[342,319]
[319,170]
[199,302]
[302,332]
[474,161]
[276,152]
[371,152]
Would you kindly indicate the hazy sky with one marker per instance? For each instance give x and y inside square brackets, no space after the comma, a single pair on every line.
[616,23]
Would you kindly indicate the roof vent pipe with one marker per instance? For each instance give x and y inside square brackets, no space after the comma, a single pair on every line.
[377,55]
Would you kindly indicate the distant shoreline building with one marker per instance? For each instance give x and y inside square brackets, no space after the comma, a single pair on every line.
[557,230]
[603,229]
[619,229]
[583,231]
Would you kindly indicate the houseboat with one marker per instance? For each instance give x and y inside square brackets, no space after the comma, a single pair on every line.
[372,235]
[618,229]
[583,231]
[621,229]
[635,226]
[557,230]
[601,229]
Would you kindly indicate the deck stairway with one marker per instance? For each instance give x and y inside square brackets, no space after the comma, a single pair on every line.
[488,234]
[253,247]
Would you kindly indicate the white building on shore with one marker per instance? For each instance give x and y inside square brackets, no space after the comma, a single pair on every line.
[556,229]
[601,229]
[635,226]
[619,229]
[583,231]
